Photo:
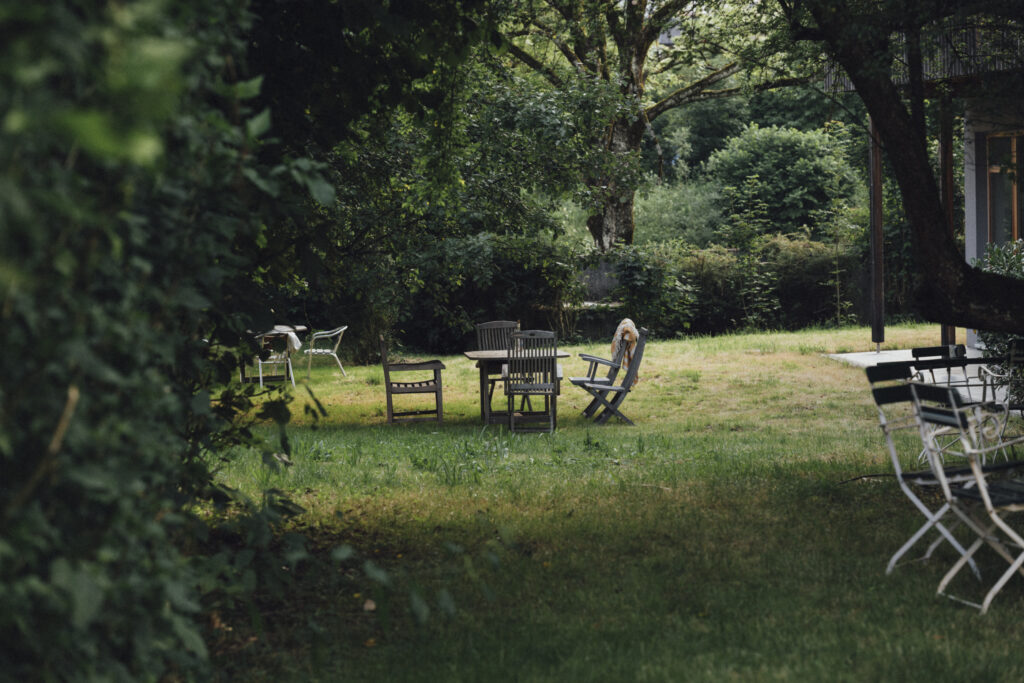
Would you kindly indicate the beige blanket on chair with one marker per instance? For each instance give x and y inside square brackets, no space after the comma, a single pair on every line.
[627,334]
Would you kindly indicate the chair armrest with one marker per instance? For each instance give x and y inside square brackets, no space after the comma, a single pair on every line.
[594,359]
[422,365]
[597,386]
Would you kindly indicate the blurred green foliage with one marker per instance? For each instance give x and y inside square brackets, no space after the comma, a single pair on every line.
[141,192]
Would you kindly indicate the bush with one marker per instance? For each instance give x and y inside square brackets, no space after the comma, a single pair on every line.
[811,279]
[1004,259]
[463,281]
[688,210]
[653,289]
[784,282]
[785,178]
[131,223]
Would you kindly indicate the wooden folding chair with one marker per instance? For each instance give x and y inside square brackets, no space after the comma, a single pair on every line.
[609,397]
[492,336]
[596,363]
[533,372]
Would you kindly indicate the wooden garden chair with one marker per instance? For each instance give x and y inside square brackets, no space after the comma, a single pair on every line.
[493,336]
[533,372]
[419,386]
[611,368]
[609,397]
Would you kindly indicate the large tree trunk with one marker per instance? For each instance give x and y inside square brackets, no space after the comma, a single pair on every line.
[614,224]
[946,289]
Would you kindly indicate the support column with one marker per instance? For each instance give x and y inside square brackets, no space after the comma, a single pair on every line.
[948,332]
[876,237]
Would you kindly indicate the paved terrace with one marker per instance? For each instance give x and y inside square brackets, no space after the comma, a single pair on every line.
[868,358]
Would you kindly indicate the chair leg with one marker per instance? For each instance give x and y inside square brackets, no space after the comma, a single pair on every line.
[339,365]
[612,408]
[439,396]
[1015,566]
[291,373]
[944,536]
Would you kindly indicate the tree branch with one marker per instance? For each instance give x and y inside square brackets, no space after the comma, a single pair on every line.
[688,93]
[532,62]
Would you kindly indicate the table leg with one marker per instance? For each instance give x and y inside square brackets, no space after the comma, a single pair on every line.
[485,403]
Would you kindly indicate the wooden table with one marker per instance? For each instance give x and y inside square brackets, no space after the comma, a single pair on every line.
[490,362]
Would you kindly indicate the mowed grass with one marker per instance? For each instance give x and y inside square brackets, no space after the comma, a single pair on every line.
[728,536]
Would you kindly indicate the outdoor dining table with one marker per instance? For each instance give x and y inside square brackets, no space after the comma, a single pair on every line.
[489,362]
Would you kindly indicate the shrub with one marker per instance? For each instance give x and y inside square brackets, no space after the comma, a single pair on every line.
[1004,259]
[653,289]
[784,282]
[688,210]
[463,281]
[808,275]
[787,178]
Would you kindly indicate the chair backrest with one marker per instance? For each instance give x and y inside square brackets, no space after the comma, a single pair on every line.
[494,335]
[944,351]
[327,334]
[629,379]
[946,364]
[886,372]
[532,362]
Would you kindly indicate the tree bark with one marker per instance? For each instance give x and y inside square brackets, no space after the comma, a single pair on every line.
[614,224]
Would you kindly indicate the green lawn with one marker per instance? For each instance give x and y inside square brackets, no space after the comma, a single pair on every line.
[719,539]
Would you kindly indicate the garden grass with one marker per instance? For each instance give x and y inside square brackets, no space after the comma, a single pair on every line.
[728,536]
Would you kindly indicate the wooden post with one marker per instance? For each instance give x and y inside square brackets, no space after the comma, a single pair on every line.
[876,237]
[948,333]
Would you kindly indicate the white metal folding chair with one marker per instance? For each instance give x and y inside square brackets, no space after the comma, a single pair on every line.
[1003,379]
[985,501]
[894,399]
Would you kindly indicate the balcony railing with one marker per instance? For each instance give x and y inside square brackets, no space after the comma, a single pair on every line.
[952,53]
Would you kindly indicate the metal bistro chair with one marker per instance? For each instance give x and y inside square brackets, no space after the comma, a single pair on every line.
[984,502]
[533,371]
[946,364]
[1003,380]
[894,399]
[320,344]
[493,336]
[422,386]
